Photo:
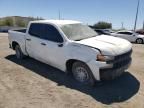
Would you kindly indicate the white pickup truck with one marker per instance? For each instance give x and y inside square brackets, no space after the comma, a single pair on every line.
[73,47]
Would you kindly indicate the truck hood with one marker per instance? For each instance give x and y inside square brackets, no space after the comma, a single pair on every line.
[108,45]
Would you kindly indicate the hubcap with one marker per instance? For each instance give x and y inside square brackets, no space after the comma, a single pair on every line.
[81,74]
[139,41]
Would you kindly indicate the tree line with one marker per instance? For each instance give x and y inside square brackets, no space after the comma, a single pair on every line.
[18,22]
[102,25]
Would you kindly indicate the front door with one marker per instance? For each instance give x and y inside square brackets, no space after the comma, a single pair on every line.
[53,47]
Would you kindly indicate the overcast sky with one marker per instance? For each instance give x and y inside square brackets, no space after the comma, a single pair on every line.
[87,11]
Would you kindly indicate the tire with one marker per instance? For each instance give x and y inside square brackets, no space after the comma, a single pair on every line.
[139,41]
[19,54]
[83,74]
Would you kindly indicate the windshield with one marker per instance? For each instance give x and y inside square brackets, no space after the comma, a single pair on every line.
[78,31]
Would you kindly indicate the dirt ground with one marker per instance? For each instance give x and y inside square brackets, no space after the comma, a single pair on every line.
[32,84]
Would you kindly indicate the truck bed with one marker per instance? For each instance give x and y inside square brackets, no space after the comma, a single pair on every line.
[18,36]
[21,30]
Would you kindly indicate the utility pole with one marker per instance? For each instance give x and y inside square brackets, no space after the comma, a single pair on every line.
[143,25]
[59,15]
[136,15]
[122,25]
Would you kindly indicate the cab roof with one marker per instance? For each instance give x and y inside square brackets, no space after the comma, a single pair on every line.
[57,22]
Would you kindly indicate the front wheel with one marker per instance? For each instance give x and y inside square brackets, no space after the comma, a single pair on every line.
[139,41]
[19,53]
[82,73]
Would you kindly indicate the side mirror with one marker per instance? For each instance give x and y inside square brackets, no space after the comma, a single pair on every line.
[60,44]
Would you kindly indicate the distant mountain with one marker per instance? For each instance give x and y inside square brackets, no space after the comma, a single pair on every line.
[17,21]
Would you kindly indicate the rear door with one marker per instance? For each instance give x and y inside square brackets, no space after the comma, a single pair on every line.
[124,35]
[33,40]
[130,36]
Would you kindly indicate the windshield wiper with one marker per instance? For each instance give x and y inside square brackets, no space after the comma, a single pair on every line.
[78,39]
[86,38]
[94,36]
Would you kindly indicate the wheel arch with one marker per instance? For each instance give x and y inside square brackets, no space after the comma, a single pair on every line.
[70,62]
[14,43]
[69,65]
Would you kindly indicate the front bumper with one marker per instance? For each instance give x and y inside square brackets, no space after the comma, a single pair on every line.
[111,69]
[112,73]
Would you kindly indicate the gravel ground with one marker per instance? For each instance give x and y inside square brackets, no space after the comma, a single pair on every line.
[32,84]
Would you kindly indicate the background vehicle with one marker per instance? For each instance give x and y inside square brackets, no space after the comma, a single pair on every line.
[141,32]
[73,47]
[130,36]
[103,31]
[4,29]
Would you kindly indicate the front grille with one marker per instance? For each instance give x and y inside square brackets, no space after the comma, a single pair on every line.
[120,63]
[121,60]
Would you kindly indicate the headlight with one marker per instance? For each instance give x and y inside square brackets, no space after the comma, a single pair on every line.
[104,58]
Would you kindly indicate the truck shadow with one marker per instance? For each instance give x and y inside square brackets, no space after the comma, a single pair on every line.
[118,90]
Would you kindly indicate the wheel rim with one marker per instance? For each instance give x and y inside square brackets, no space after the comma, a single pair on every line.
[81,74]
[139,41]
[17,53]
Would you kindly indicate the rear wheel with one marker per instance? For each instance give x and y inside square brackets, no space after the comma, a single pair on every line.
[139,41]
[19,53]
[82,73]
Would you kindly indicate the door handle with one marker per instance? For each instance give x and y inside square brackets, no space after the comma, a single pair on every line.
[43,44]
[28,39]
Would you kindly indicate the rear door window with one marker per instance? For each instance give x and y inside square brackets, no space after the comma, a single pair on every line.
[125,33]
[128,33]
[36,30]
